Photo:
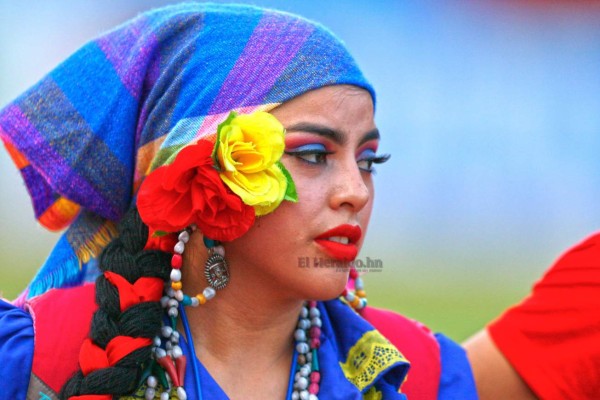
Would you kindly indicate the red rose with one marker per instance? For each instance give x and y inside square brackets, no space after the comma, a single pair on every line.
[190,191]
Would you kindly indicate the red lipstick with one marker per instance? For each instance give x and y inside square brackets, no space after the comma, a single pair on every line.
[340,250]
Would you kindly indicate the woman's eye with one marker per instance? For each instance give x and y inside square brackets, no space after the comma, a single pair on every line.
[368,157]
[310,153]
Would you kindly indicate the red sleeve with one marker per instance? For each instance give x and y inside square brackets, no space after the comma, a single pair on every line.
[552,338]
[56,351]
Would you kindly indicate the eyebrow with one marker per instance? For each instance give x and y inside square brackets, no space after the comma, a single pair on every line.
[331,134]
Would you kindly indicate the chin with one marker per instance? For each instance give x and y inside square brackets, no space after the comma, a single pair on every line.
[327,285]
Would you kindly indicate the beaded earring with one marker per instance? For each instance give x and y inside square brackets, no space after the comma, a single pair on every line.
[357,298]
[168,362]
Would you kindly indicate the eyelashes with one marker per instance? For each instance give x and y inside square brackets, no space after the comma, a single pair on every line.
[368,157]
[313,153]
[317,154]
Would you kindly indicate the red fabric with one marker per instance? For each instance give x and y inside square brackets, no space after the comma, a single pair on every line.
[552,338]
[164,243]
[417,344]
[190,191]
[92,357]
[92,397]
[63,316]
[144,289]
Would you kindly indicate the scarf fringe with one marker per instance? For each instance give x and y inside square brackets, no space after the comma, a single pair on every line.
[93,246]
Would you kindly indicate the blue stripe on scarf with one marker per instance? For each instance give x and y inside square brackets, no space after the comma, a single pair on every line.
[107,111]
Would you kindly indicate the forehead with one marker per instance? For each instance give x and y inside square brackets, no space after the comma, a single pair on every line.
[343,107]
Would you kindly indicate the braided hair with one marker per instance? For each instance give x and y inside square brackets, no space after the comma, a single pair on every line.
[124,256]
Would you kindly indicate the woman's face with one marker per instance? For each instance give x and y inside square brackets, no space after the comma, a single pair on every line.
[303,248]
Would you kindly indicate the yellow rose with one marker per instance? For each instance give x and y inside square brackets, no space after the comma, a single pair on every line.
[247,151]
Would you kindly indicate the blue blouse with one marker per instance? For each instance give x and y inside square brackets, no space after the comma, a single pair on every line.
[346,338]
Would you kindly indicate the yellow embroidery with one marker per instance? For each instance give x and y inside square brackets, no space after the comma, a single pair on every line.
[371,355]
[373,394]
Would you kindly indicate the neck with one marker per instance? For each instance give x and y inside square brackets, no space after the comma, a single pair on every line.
[247,324]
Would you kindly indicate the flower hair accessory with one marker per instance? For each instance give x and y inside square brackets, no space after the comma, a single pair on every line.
[221,185]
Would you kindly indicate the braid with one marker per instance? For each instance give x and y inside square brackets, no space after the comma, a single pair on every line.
[125,255]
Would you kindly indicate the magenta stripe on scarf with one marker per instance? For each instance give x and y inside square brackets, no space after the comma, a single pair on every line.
[49,164]
[260,73]
[131,70]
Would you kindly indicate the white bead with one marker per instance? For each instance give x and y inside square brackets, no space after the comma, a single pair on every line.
[358,284]
[304,312]
[314,312]
[173,312]
[300,335]
[151,381]
[219,250]
[302,347]
[149,393]
[350,296]
[304,324]
[184,236]
[209,293]
[164,301]
[172,303]
[160,353]
[170,291]
[170,353]
[312,397]
[177,352]
[179,295]
[175,337]
[316,322]
[165,396]
[302,383]
[295,396]
[181,393]
[304,395]
[179,247]
[169,346]
[175,275]
[305,370]
[166,331]
[195,301]
[308,357]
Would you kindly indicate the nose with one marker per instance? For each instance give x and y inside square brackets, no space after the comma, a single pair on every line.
[350,188]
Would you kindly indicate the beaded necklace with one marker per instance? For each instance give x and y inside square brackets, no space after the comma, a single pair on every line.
[168,363]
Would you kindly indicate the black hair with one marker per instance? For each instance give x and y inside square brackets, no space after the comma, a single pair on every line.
[124,255]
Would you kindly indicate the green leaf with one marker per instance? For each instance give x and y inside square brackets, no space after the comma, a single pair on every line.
[160,233]
[227,121]
[290,190]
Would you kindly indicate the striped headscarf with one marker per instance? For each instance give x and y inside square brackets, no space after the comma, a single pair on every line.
[87,134]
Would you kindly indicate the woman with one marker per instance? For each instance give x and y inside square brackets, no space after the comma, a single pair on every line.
[168,112]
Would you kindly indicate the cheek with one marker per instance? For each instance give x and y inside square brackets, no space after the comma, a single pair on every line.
[365,214]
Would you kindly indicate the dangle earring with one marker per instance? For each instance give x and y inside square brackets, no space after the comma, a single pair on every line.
[357,298]
[215,269]
[168,362]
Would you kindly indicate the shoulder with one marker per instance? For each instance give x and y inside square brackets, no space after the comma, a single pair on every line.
[62,319]
[552,338]
[16,350]
[439,366]
[417,343]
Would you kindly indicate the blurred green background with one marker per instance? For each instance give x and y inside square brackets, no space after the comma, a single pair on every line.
[490,111]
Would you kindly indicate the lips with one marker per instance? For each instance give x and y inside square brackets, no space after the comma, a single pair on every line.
[340,242]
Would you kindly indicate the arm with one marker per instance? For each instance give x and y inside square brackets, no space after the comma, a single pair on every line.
[494,376]
[549,344]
